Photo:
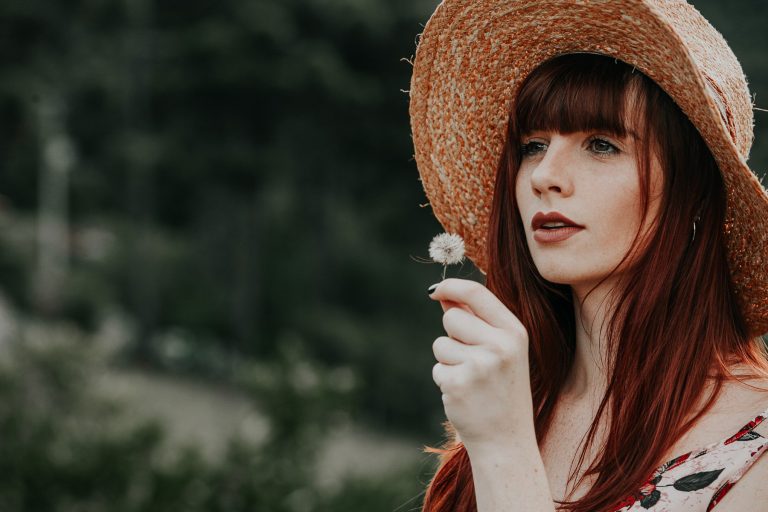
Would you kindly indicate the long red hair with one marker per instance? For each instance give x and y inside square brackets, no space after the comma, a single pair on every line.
[675,325]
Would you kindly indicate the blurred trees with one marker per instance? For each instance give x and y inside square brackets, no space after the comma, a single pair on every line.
[240,172]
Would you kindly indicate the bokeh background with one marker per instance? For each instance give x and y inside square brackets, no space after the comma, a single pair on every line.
[211,287]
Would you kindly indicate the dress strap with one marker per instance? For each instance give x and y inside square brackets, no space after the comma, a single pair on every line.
[751,446]
[764,414]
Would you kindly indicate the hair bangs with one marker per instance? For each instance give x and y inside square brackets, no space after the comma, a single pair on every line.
[583,94]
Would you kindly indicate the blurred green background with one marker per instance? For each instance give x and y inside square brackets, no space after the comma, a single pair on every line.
[211,297]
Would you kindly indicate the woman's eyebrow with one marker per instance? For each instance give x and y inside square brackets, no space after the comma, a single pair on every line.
[627,133]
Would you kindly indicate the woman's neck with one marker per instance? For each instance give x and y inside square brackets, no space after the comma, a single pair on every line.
[587,380]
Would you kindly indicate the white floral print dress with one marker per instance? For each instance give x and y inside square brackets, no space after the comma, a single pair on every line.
[696,481]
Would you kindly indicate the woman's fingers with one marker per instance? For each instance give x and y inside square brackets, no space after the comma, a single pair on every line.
[480,300]
[438,374]
[482,368]
[446,377]
[450,351]
[468,328]
[448,304]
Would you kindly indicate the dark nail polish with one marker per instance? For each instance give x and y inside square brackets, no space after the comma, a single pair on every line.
[431,289]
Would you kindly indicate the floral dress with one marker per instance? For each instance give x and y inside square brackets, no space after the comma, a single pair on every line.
[698,480]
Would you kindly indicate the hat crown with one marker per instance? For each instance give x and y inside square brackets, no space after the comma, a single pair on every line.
[724,79]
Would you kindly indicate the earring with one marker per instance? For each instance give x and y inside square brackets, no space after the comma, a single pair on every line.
[694,227]
[695,219]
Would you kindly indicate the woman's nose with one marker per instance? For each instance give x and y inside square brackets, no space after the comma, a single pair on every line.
[552,171]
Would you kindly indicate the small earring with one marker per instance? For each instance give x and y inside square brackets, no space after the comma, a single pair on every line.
[694,228]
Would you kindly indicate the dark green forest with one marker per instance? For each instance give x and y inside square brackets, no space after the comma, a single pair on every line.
[232,184]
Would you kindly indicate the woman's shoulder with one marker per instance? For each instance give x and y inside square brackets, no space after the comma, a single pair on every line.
[720,460]
[744,488]
[738,402]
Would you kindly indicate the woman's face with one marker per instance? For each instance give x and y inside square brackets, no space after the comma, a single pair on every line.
[592,179]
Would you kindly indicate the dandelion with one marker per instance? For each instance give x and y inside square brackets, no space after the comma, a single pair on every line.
[447,248]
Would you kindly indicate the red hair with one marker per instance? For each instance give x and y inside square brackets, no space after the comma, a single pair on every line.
[675,323]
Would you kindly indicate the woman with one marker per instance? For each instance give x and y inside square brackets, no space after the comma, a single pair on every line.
[613,361]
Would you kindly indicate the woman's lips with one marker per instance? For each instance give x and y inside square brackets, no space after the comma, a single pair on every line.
[542,218]
[543,235]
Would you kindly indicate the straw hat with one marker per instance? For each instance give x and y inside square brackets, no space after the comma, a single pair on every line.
[474,54]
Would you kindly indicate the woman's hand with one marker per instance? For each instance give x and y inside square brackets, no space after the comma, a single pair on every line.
[482,366]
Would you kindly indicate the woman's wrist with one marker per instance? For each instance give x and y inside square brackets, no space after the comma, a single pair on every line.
[510,476]
[512,437]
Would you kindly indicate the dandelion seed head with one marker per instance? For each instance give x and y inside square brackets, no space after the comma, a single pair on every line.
[447,248]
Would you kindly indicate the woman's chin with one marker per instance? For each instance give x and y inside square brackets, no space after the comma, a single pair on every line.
[567,275]
[559,278]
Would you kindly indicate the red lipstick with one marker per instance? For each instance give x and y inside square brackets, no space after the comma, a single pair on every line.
[558,227]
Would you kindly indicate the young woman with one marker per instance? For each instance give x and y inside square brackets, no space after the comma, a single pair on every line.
[593,157]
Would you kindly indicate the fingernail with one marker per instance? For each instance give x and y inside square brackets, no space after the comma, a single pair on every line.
[431,289]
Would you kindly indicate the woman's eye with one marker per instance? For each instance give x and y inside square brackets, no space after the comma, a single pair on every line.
[602,147]
[531,148]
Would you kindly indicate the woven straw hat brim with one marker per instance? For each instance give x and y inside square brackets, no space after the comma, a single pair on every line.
[474,54]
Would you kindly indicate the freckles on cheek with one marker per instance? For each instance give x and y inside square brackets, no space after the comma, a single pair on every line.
[521,201]
[623,214]
[519,189]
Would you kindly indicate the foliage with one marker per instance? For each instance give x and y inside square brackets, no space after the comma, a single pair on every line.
[66,447]
[242,172]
